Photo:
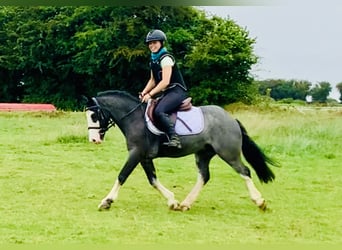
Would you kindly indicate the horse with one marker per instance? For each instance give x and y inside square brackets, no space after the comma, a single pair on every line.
[222,135]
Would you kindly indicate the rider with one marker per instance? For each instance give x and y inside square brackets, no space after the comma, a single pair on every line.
[166,82]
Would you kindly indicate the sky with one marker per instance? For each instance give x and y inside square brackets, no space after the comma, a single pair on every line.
[299,40]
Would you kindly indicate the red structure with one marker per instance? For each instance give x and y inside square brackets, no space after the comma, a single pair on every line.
[26,107]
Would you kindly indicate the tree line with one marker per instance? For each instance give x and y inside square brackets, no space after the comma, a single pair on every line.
[56,54]
[280,89]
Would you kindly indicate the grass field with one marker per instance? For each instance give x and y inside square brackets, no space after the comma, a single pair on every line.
[52,179]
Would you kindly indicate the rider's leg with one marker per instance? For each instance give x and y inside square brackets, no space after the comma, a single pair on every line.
[169,128]
[171,100]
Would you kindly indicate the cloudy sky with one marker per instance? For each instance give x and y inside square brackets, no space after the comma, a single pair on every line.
[294,39]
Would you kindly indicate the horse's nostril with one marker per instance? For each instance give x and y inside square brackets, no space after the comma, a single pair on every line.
[94,140]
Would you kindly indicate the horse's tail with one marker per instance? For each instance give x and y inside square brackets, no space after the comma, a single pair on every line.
[256,157]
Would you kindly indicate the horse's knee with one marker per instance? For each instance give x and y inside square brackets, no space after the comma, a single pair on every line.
[149,171]
[152,181]
[205,175]
[122,179]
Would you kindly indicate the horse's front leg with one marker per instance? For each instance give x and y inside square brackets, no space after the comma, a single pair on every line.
[111,197]
[150,172]
[192,196]
[127,169]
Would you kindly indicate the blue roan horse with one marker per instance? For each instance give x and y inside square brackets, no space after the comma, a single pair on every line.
[222,135]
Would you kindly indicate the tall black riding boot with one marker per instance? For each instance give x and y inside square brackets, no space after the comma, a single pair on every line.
[169,128]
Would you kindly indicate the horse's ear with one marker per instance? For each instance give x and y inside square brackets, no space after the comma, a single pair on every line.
[86,100]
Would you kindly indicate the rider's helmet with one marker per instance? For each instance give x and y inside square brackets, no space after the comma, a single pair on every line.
[155,35]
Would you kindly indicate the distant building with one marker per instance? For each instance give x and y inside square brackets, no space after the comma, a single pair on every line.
[308,99]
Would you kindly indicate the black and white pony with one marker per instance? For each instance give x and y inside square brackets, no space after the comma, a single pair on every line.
[220,135]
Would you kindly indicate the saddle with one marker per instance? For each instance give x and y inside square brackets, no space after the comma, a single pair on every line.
[188,119]
[185,106]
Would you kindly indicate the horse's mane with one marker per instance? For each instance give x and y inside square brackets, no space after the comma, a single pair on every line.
[118,93]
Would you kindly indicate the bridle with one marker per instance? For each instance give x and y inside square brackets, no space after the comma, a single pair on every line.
[106,121]
[105,118]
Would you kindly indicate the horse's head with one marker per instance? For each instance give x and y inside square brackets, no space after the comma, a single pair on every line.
[99,121]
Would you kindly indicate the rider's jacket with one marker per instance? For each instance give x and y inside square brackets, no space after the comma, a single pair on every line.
[176,76]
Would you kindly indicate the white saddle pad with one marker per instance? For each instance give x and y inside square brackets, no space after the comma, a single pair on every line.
[193,119]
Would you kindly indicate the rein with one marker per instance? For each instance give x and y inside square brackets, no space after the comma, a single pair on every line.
[130,112]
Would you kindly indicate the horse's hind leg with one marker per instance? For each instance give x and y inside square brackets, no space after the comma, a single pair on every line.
[150,172]
[254,193]
[236,163]
[202,161]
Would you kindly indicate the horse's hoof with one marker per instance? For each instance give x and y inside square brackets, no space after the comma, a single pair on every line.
[184,207]
[262,206]
[173,205]
[105,205]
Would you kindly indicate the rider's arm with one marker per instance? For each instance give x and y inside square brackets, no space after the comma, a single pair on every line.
[149,85]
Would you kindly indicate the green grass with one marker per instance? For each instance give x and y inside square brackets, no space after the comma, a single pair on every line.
[52,179]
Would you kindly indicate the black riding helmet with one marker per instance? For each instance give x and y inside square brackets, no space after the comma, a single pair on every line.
[155,35]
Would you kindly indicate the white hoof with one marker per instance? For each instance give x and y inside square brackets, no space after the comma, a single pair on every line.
[173,205]
[261,203]
[105,204]
[184,207]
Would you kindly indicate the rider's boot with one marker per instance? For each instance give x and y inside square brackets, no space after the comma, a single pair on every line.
[169,128]
[174,141]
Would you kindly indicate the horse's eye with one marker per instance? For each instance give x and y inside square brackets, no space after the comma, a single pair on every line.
[94,117]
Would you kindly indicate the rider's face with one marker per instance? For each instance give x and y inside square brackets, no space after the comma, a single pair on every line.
[154,46]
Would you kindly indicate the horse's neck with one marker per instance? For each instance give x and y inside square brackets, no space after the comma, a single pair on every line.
[131,117]
[121,108]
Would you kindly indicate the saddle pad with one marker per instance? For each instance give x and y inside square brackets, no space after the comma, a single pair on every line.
[193,119]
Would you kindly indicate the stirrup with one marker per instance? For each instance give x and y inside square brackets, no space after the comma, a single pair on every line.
[174,142]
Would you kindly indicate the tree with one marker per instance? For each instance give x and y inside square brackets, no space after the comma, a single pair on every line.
[321,91]
[63,52]
[220,63]
[339,87]
[283,89]
[10,75]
